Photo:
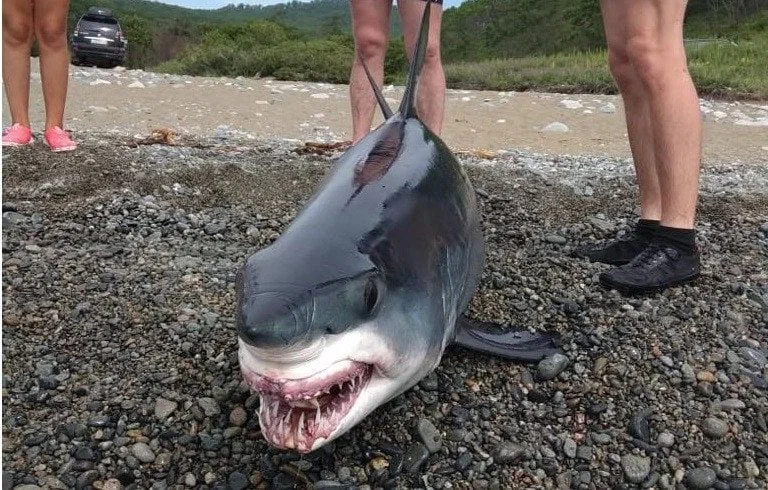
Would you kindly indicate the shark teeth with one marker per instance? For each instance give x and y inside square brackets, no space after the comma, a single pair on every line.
[297,421]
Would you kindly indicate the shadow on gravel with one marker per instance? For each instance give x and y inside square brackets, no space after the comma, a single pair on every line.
[120,362]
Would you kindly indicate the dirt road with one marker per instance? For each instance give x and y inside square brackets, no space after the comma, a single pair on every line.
[136,102]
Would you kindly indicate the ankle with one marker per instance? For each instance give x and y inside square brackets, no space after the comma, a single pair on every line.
[684,239]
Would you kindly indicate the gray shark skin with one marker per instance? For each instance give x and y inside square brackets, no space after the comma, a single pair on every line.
[359,297]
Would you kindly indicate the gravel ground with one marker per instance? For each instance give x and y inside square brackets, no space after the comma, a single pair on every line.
[120,366]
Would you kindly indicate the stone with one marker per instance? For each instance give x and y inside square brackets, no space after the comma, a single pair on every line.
[143,452]
[701,478]
[551,366]
[164,408]
[555,127]
[636,468]
[714,428]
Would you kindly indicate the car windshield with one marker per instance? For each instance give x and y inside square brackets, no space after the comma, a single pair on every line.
[94,19]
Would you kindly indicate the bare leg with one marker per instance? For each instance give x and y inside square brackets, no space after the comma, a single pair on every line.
[430,97]
[636,107]
[654,33]
[17,43]
[370,28]
[51,33]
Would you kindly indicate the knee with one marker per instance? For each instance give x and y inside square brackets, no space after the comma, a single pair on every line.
[432,55]
[51,35]
[17,34]
[371,45]
[622,69]
[652,61]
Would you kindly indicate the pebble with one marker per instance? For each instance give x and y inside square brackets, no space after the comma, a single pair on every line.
[414,458]
[714,428]
[636,468]
[569,448]
[464,461]
[429,435]
[190,480]
[706,376]
[732,404]
[142,452]
[507,453]
[666,439]
[238,416]
[136,84]
[639,425]
[164,408]
[237,481]
[209,405]
[701,478]
[555,127]
[571,104]
[556,239]
[608,108]
[551,366]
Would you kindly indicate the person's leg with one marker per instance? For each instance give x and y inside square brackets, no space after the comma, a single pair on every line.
[370,29]
[430,98]
[655,45]
[17,43]
[51,34]
[654,34]
[636,106]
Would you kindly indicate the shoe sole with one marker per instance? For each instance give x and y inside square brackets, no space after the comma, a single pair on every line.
[15,145]
[637,291]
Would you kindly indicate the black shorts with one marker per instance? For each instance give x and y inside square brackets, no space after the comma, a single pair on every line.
[439,2]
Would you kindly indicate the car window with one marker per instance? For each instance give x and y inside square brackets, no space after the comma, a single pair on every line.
[99,20]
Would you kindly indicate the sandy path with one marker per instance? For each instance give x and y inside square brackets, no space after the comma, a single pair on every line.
[104,100]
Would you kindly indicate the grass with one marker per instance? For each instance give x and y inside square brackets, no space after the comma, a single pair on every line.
[719,69]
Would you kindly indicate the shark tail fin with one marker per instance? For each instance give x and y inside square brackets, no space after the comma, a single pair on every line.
[385,109]
[407,107]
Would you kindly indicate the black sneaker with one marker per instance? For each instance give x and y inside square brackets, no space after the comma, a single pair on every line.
[616,252]
[657,268]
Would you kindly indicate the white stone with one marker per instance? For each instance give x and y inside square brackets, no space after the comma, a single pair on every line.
[136,84]
[608,108]
[571,104]
[555,127]
[320,96]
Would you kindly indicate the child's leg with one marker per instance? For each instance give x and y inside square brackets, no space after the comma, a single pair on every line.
[51,32]
[17,42]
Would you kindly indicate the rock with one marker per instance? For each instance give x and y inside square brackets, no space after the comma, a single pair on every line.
[701,478]
[136,84]
[429,383]
[429,435]
[639,426]
[238,416]
[237,481]
[571,104]
[112,484]
[190,480]
[556,239]
[506,453]
[464,461]
[731,405]
[555,127]
[569,448]
[608,108]
[551,366]
[209,405]
[636,468]
[164,408]
[320,96]
[665,439]
[714,428]
[415,457]
[142,452]
[87,478]
[706,376]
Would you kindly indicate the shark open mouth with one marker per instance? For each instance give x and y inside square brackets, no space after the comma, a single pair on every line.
[296,414]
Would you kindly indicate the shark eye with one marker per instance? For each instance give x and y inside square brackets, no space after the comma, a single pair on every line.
[371,296]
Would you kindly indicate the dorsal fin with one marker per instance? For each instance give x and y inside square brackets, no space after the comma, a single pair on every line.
[379,96]
[407,107]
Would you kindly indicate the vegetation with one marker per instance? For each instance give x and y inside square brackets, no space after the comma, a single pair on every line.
[493,44]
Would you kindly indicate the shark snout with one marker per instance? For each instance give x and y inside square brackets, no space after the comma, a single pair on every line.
[272,319]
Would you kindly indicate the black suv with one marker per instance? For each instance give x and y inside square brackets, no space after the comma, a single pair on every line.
[98,39]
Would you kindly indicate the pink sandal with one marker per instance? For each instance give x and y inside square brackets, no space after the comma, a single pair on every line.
[17,135]
[58,139]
